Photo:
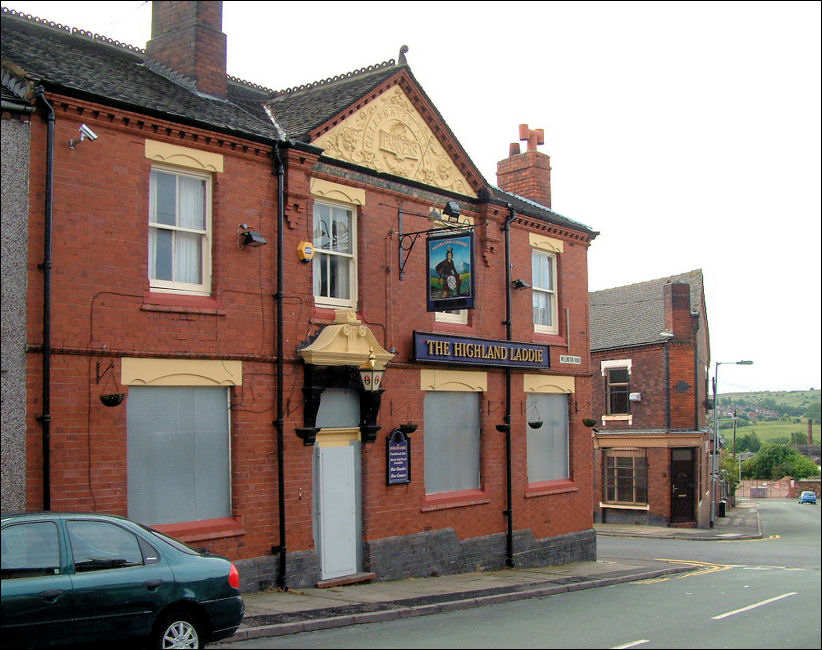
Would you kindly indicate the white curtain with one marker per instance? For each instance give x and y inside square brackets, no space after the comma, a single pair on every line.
[191,215]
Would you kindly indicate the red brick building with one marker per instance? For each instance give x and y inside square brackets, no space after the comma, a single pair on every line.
[214,265]
[649,357]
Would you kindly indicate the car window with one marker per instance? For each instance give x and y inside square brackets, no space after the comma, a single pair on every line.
[176,543]
[30,549]
[97,545]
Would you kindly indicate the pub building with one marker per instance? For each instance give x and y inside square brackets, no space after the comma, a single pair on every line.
[386,356]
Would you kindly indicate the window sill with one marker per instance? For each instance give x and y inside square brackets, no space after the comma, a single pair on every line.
[448,500]
[197,531]
[624,506]
[182,304]
[322,306]
[628,419]
[545,488]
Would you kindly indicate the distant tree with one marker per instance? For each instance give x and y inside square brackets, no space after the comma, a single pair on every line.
[748,442]
[813,412]
[776,461]
[730,467]
[799,438]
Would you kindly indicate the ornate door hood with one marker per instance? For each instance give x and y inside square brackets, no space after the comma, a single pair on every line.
[334,359]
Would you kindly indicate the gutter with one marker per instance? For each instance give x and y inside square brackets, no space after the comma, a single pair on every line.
[46,266]
[14,107]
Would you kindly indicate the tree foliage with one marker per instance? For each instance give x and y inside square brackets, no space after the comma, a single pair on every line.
[730,468]
[748,442]
[814,411]
[776,461]
[799,438]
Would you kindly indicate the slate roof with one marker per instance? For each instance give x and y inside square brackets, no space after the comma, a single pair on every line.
[532,208]
[300,110]
[635,314]
[81,64]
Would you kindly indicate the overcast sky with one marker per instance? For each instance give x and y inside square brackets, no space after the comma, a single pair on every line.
[686,133]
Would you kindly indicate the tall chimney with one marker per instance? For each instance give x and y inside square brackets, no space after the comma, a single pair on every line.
[187,37]
[678,309]
[527,174]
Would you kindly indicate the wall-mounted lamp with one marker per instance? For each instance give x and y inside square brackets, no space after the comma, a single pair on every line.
[247,237]
[452,212]
[370,376]
[85,134]
[520,284]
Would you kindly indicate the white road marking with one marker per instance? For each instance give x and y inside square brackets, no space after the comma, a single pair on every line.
[632,644]
[749,607]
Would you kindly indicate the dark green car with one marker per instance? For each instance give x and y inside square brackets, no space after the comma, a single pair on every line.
[89,579]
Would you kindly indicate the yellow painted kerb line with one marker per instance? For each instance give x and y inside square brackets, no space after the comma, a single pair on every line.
[709,567]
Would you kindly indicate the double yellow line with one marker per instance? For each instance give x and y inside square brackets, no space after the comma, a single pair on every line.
[709,567]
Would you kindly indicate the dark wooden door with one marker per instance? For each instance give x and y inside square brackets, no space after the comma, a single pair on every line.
[683,485]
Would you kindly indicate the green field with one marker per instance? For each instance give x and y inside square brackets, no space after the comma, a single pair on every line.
[768,431]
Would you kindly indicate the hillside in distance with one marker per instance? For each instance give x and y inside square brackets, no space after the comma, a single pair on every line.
[774,416]
[793,403]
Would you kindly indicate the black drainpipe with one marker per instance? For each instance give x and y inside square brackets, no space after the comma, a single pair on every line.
[695,331]
[45,418]
[667,387]
[281,583]
[509,513]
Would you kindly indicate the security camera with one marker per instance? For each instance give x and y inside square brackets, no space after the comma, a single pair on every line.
[86,132]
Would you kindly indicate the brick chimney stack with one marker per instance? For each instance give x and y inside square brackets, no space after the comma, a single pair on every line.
[527,174]
[678,309]
[187,37]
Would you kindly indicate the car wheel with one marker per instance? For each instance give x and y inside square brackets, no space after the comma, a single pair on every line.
[178,630]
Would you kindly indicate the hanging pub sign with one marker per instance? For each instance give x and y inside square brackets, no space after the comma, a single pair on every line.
[450,262]
[463,350]
[398,451]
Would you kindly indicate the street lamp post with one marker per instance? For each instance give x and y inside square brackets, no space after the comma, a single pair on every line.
[715,442]
[738,475]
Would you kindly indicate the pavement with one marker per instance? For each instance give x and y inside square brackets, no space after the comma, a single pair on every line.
[278,612]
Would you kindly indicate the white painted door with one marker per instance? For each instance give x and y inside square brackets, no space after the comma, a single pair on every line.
[337,516]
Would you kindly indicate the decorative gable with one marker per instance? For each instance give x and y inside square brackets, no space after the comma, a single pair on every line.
[389,135]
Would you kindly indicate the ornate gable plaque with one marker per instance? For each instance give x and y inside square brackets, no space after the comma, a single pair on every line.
[389,135]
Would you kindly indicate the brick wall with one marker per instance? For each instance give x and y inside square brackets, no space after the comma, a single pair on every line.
[103,311]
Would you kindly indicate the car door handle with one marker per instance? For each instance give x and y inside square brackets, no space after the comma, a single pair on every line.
[50,595]
[152,585]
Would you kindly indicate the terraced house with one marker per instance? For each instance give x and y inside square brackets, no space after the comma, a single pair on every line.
[650,352]
[297,327]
